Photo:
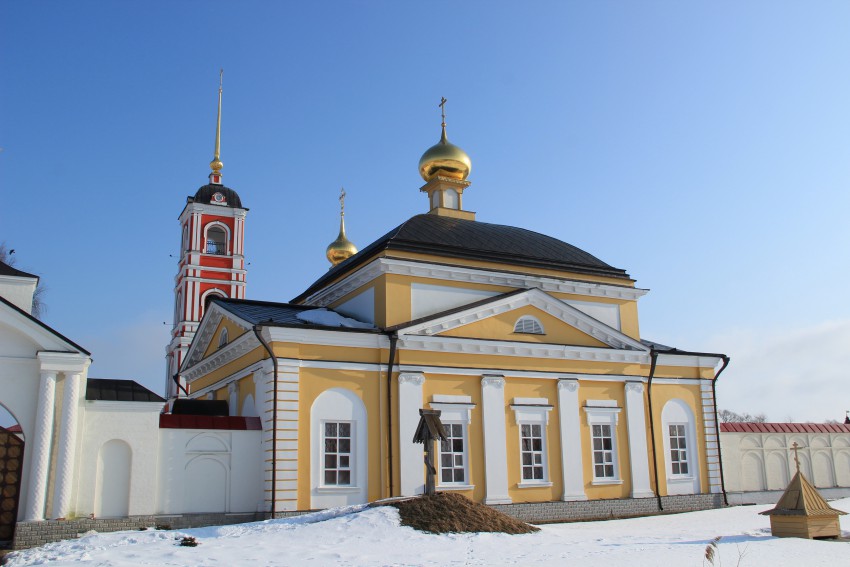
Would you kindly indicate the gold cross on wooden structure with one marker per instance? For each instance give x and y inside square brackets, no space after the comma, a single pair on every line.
[795,448]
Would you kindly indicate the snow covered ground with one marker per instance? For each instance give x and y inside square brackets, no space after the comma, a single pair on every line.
[358,536]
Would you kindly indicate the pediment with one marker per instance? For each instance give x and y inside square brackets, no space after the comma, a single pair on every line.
[495,320]
[215,318]
[23,335]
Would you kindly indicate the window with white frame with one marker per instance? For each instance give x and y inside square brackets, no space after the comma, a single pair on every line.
[677,419]
[528,325]
[336,453]
[453,458]
[216,240]
[602,418]
[678,449]
[532,417]
[222,338]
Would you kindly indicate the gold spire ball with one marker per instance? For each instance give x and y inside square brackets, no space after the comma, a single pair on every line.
[216,164]
[443,158]
[342,248]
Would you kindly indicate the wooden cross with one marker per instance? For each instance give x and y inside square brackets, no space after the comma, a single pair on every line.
[342,200]
[796,448]
[442,106]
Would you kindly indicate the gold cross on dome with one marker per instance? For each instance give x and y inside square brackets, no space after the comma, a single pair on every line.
[796,448]
[442,106]
[342,200]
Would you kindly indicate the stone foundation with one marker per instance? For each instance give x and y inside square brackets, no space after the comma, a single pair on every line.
[33,534]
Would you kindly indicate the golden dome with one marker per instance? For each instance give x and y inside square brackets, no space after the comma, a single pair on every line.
[446,159]
[342,248]
[216,165]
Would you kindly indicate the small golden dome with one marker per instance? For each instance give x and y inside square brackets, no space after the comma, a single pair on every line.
[216,165]
[342,248]
[446,159]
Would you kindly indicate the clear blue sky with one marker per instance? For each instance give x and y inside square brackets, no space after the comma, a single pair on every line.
[702,146]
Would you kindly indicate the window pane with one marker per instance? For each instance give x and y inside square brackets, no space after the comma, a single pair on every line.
[599,470]
[458,460]
[446,460]
[527,473]
[446,475]
[330,445]
[343,461]
[597,444]
[330,461]
[458,475]
[538,473]
[525,430]
[445,446]
[344,477]
[457,445]
[684,467]
[536,431]
[330,477]
[526,458]
[526,444]
[538,459]
[537,444]
[345,430]
[345,445]
[330,429]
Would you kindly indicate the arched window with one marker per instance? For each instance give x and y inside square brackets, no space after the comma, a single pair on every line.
[184,244]
[529,325]
[222,338]
[680,448]
[216,239]
[207,297]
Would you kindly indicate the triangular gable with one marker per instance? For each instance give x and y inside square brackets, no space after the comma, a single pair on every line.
[42,335]
[441,323]
[207,330]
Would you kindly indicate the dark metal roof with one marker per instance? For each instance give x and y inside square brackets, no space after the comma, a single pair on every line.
[205,195]
[266,312]
[749,427]
[187,406]
[106,389]
[228,422]
[7,270]
[460,238]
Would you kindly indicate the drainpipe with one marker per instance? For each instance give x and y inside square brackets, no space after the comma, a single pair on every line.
[393,341]
[653,354]
[717,426]
[257,329]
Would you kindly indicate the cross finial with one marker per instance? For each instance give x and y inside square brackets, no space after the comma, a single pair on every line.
[342,201]
[442,106]
[795,448]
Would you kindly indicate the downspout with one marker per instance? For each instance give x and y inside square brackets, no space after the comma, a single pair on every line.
[390,364]
[653,354]
[257,329]
[717,426]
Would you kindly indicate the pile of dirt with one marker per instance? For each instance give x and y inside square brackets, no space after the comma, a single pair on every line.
[449,512]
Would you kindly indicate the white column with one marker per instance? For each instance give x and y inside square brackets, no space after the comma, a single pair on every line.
[285,489]
[233,397]
[67,448]
[410,454]
[572,465]
[495,446]
[637,428]
[41,445]
[712,441]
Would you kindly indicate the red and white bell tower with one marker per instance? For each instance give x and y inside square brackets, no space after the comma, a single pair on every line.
[212,261]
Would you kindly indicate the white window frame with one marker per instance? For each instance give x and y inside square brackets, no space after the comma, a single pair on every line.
[678,412]
[352,454]
[680,452]
[454,410]
[223,227]
[531,412]
[534,324]
[604,412]
[223,338]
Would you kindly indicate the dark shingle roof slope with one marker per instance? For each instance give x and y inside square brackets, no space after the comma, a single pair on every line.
[7,270]
[266,312]
[107,389]
[205,193]
[460,238]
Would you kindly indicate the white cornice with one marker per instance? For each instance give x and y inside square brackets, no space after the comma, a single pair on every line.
[539,299]
[379,266]
[243,344]
[325,337]
[63,361]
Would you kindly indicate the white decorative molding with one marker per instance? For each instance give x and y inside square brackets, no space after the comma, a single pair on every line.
[375,268]
[536,298]
[495,444]
[636,429]
[243,344]
[531,412]
[415,379]
[572,454]
[634,387]
[568,384]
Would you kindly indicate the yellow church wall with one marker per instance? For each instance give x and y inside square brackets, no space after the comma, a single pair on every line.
[589,390]
[463,386]
[397,298]
[233,332]
[501,327]
[533,389]
[366,385]
[628,310]
[221,394]
[691,395]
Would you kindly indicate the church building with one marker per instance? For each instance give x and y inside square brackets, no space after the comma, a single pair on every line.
[529,346]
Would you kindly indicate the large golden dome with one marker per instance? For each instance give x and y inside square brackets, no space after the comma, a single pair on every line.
[340,249]
[445,159]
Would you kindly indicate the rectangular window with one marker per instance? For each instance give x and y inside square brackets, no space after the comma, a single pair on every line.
[452,455]
[531,452]
[603,452]
[337,454]
[678,449]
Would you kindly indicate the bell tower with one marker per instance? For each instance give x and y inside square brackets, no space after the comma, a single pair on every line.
[212,261]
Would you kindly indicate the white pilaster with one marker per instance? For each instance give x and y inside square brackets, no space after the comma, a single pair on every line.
[712,440]
[411,465]
[67,447]
[571,452]
[495,445]
[41,446]
[233,397]
[637,428]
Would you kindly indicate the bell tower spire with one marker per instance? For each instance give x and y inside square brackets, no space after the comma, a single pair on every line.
[216,164]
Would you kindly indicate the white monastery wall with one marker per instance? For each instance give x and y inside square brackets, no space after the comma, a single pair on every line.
[209,471]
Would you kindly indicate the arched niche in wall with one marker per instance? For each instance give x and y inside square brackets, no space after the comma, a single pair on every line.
[248,407]
[752,472]
[777,471]
[206,484]
[822,470]
[114,475]
[680,448]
